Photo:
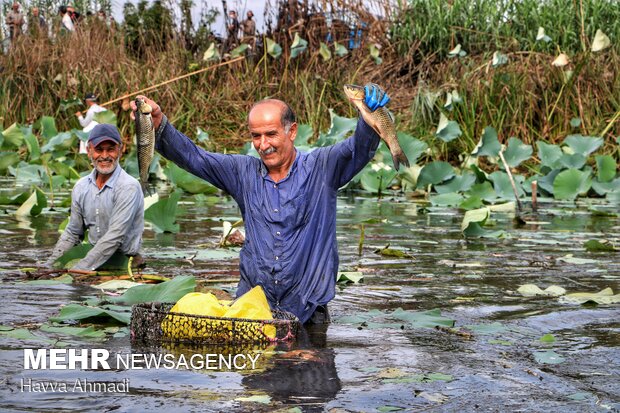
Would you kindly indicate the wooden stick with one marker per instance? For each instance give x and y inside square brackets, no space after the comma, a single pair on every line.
[534,195]
[512,181]
[174,80]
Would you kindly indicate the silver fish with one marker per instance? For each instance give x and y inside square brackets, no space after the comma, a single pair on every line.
[381,121]
[145,140]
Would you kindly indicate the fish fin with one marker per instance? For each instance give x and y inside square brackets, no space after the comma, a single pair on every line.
[400,159]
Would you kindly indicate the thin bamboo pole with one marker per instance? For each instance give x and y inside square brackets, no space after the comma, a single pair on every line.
[173,80]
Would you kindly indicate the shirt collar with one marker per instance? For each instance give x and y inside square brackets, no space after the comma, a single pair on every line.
[264,172]
[92,177]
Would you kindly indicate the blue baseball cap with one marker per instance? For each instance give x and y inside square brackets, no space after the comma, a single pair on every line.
[104,132]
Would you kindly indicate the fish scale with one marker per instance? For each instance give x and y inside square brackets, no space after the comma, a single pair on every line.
[145,140]
[381,121]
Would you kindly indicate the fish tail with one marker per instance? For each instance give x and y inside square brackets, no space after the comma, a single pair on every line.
[399,158]
[146,189]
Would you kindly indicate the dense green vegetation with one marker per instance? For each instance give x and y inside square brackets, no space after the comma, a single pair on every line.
[465,79]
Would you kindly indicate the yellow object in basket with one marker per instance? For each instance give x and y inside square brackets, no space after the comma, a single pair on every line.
[252,305]
[199,304]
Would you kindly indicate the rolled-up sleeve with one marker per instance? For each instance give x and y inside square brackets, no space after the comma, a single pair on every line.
[129,200]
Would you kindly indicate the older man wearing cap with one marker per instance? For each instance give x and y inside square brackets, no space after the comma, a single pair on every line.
[108,203]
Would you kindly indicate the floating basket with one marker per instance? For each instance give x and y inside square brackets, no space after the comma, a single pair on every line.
[153,322]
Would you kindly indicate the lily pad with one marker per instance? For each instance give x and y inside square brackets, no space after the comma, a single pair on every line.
[273,48]
[583,145]
[483,191]
[601,41]
[459,183]
[549,155]
[325,53]
[162,214]
[435,173]
[86,332]
[517,152]
[489,144]
[447,130]
[264,399]
[598,246]
[451,199]
[547,338]
[298,46]
[606,168]
[166,292]
[33,205]
[239,50]
[422,319]
[605,296]
[503,187]
[412,147]
[574,260]
[571,183]
[340,50]
[478,216]
[548,357]
[350,277]
[531,290]
[188,182]
[340,128]
[83,312]
[572,160]
[8,159]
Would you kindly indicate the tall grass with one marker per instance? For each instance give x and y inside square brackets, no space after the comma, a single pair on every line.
[527,97]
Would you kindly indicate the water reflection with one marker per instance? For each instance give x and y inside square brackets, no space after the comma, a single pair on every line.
[306,376]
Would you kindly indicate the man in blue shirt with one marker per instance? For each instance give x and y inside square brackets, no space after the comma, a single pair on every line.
[287,199]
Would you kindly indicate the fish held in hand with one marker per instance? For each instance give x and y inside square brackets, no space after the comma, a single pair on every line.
[145,140]
[381,121]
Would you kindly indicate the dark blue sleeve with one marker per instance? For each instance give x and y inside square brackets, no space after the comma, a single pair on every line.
[220,170]
[346,159]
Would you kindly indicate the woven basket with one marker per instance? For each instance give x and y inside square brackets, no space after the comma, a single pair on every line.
[153,322]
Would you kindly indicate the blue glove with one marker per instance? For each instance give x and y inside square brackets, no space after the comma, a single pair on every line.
[375,97]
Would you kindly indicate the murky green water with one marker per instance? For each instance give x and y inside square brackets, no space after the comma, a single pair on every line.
[364,367]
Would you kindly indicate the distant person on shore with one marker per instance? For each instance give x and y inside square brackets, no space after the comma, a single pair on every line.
[88,122]
[66,24]
[108,203]
[76,17]
[37,24]
[232,31]
[248,26]
[15,21]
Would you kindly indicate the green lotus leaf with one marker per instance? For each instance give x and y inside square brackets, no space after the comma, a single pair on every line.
[606,168]
[299,46]
[489,144]
[435,173]
[549,155]
[583,145]
[340,50]
[570,183]
[324,52]
[273,48]
[502,186]
[517,152]
[459,183]
[162,214]
[451,199]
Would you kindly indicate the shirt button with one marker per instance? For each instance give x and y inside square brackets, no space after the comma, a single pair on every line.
[275,210]
[277,303]
[278,233]
[275,186]
[276,281]
[277,258]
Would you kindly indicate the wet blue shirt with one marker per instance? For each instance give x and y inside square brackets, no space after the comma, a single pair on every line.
[290,248]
